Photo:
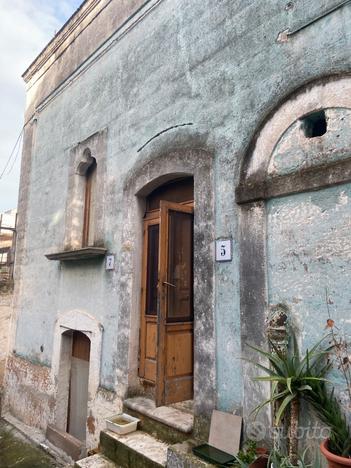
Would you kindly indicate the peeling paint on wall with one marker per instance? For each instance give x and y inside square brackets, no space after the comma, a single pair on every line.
[309,252]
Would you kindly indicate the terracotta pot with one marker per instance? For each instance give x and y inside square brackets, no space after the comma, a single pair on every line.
[334,461]
[262,460]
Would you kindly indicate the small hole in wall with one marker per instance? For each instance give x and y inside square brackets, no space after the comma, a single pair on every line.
[314,125]
[41,348]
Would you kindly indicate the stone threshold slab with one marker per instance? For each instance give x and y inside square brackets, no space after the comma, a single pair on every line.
[95,461]
[145,444]
[180,420]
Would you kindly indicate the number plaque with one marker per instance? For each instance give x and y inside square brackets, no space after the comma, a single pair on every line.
[223,250]
[110,262]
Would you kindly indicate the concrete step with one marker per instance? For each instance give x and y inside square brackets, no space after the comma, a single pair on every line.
[95,461]
[181,455]
[171,424]
[134,450]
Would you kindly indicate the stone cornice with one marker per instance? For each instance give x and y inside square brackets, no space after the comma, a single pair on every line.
[65,35]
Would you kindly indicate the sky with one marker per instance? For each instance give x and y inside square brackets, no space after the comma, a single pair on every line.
[26,26]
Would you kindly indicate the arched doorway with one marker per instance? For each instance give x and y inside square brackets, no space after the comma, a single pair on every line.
[154,169]
[167,310]
[73,384]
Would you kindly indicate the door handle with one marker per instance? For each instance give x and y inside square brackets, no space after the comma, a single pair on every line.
[169,284]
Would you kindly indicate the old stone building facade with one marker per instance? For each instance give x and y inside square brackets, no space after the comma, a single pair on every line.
[154,129]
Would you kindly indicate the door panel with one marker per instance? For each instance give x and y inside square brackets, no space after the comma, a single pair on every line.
[150,349]
[179,351]
[78,388]
[78,403]
[175,348]
[179,389]
[151,340]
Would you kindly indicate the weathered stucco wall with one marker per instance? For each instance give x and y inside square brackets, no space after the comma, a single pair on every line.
[216,65]
[309,254]
[5,324]
[88,28]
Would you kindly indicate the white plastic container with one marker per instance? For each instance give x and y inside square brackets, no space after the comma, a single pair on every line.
[122,423]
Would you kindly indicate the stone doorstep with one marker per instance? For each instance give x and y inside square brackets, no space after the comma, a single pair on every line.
[95,461]
[141,446]
[175,418]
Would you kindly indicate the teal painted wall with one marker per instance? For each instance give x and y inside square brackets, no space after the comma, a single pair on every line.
[309,253]
[217,64]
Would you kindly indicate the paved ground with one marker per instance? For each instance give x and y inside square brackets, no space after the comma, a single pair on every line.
[17,452]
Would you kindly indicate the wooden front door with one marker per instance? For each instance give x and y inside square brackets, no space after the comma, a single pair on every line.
[166,342]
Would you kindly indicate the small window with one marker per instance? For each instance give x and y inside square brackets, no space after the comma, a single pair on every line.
[89,202]
[314,125]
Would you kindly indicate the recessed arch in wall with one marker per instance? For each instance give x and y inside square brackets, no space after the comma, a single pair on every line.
[259,178]
[288,157]
[158,169]
[87,169]
[67,324]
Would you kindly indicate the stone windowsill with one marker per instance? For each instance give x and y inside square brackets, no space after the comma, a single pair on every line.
[78,254]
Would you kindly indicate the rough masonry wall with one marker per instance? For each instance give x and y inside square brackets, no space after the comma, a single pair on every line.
[217,65]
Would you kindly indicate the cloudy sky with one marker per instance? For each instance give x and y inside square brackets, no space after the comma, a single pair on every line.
[26,26]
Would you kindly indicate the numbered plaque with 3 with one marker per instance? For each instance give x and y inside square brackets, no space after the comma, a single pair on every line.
[223,250]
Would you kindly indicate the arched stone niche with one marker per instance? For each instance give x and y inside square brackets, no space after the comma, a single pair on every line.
[156,168]
[85,162]
[81,157]
[285,159]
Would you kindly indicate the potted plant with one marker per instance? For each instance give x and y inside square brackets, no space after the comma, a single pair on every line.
[291,378]
[337,448]
[276,460]
[252,456]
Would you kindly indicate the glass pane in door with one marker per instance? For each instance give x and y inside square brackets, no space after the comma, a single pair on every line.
[180,267]
[152,269]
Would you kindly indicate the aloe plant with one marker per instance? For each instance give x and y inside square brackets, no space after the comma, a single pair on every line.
[276,460]
[329,411]
[291,378]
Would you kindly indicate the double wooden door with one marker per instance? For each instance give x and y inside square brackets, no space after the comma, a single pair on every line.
[166,340]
